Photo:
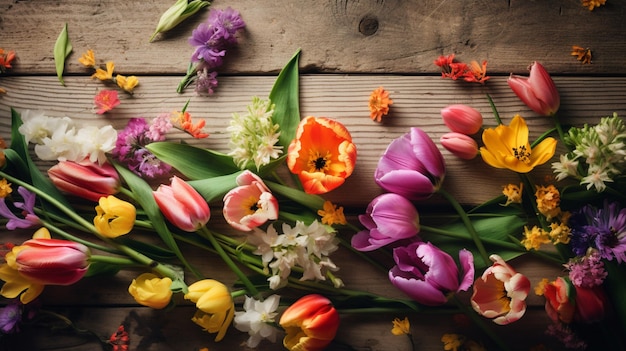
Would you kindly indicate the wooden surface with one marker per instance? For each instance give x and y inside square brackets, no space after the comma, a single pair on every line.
[348,49]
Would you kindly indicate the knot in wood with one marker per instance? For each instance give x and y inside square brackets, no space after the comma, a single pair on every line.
[368,25]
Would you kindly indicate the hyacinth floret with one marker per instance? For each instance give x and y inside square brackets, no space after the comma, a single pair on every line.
[254,135]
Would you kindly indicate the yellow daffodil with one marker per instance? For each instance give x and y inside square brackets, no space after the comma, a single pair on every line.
[508,147]
[114,217]
[127,84]
[105,75]
[152,291]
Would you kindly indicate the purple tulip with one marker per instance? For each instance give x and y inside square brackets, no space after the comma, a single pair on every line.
[428,275]
[389,218]
[412,166]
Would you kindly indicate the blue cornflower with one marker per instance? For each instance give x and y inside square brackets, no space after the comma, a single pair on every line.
[603,229]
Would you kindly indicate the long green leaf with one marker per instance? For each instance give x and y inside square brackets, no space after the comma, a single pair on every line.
[215,188]
[62,49]
[285,95]
[195,163]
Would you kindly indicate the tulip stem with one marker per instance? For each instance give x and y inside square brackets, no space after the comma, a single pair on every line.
[71,237]
[480,322]
[112,260]
[468,224]
[229,262]
[496,115]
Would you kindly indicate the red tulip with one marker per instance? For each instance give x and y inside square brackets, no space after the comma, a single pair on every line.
[560,304]
[182,205]
[311,323]
[460,145]
[537,91]
[591,304]
[52,261]
[462,119]
[85,179]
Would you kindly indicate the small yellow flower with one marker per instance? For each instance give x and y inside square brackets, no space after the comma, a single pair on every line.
[150,290]
[114,217]
[105,75]
[379,104]
[548,200]
[560,233]
[508,147]
[582,54]
[513,193]
[88,59]
[535,237]
[5,188]
[592,4]
[452,342]
[401,327]
[541,287]
[127,84]
[331,214]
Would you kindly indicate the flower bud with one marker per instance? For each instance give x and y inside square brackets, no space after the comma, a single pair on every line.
[85,179]
[311,323]
[114,217]
[537,91]
[460,145]
[462,119]
[52,261]
[152,291]
[178,13]
[182,205]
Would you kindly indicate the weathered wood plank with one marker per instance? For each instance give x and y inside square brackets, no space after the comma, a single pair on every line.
[417,102]
[392,36]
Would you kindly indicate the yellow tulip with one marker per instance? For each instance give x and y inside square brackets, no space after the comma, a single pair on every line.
[150,290]
[215,304]
[508,147]
[114,217]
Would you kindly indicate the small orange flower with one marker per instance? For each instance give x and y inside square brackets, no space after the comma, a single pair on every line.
[582,54]
[88,59]
[183,121]
[322,154]
[379,104]
[477,73]
[591,4]
[331,214]
[105,75]
[6,59]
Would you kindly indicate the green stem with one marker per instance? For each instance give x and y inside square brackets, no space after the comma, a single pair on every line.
[468,224]
[205,232]
[480,323]
[559,128]
[68,236]
[496,115]
[189,77]
[542,137]
[122,261]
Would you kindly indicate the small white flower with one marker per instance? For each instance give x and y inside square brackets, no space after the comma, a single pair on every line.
[96,142]
[258,319]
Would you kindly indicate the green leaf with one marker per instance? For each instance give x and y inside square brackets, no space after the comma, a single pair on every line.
[62,49]
[313,202]
[215,188]
[195,163]
[285,95]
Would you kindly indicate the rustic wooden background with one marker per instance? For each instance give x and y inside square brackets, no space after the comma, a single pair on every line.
[349,47]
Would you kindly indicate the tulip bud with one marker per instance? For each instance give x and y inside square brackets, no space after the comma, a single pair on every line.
[560,304]
[52,261]
[462,119]
[591,304]
[152,291]
[178,13]
[182,205]
[460,145]
[311,323]
[85,179]
[537,91]
[114,217]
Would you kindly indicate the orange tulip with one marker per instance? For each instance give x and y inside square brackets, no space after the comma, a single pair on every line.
[322,154]
[311,323]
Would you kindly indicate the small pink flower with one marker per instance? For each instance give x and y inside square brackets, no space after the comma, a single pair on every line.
[537,91]
[182,205]
[250,204]
[460,145]
[106,100]
[500,293]
[462,119]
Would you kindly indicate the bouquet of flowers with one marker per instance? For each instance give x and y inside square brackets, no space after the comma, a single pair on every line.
[106,185]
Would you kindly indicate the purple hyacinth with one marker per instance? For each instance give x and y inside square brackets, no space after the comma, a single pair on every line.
[603,229]
[213,37]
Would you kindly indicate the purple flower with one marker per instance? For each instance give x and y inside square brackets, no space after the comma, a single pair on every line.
[10,317]
[389,218]
[27,207]
[412,166]
[587,271]
[229,21]
[213,37]
[130,148]
[428,275]
[603,229]
[206,82]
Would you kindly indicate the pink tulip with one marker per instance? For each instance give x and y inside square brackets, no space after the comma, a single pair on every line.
[52,261]
[250,204]
[389,218]
[412,166]
[560,304]
[537,91]
[182,205]
[310,323]
[85,179]
[500,294]
[591,304]
[428,274]
[460,145]
[462,119]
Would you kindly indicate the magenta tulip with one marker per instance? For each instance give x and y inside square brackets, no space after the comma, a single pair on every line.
[537,91]
[85,179]
[428,274]
[250,204]
[460,145]
[388,218]
[182,205]
[52,261]
[412,166]
[462,119]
